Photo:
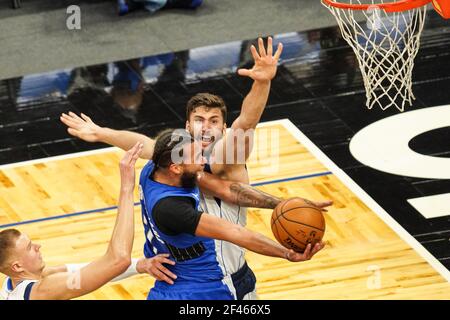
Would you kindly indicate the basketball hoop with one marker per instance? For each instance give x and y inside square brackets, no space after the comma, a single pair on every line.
[385,38]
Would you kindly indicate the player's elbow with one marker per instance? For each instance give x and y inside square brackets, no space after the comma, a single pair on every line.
[120,261]
[245,123]
[122,264]
[146,154]
[248,124]
[226,195]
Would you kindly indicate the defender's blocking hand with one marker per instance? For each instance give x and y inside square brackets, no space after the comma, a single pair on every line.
[265,66]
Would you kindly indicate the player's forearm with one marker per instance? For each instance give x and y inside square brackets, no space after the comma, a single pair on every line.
[122,238]
[245,195]
[77,282]
[125,140]
[131,271]
[217,228]
[237,193]
[258,243]
[253,106]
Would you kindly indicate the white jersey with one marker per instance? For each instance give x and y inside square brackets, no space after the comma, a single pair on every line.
[230,256]
[20,292]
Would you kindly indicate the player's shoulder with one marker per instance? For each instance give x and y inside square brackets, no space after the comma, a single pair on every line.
[21,292]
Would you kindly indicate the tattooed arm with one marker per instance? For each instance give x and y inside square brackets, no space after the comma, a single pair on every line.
[235,192]
[243,194]
[247,196]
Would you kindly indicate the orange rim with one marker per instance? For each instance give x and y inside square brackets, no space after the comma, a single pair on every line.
[402,5]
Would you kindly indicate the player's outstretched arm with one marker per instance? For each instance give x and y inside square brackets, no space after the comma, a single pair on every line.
[239,140]
[115,261]
[85,129]
[214,227]
[237,193]
[155,266]
[263,71]
[242,194]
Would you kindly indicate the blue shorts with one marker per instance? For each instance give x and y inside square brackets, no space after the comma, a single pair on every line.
[215,290]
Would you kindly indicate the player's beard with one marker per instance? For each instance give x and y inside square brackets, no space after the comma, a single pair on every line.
[188,180]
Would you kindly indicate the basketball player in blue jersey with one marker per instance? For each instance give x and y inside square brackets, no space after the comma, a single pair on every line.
[173,224]
[206,115]
[29,279]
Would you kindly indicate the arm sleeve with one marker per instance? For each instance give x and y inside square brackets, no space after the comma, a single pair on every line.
[175,215]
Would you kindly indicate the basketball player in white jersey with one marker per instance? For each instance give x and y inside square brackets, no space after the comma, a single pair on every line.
[29,279]
[206,115]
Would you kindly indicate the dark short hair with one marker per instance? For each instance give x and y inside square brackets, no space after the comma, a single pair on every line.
[8,239]
[206,100]
[166,141]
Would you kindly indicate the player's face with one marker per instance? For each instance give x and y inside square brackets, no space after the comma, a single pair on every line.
[193,160]
[28,254]
[206,125]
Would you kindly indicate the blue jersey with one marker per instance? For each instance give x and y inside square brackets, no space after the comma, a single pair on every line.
[196,265]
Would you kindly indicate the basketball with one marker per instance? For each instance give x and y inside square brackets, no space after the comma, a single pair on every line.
[296,222]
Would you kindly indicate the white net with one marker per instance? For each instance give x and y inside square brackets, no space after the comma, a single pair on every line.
[385,44]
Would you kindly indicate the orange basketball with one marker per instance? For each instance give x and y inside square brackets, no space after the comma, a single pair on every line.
[297,222]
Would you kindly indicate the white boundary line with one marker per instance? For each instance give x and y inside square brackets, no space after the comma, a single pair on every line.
[270,123]
[371,203]
[57,158]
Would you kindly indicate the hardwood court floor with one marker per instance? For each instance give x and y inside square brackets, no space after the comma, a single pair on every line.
[357,240]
